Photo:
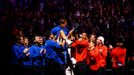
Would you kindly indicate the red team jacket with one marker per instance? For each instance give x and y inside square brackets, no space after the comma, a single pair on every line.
[102,55]
[81,49]
[118,55]
[93,57]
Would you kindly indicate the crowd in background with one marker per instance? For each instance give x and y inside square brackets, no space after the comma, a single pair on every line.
[109,18]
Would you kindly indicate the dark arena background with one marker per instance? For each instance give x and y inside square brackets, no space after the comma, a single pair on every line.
[108,18]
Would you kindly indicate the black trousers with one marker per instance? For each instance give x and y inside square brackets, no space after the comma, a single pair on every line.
[81,68]
[54,68]
[118,71]
[27,70]
[92,72]
[38,70]
[16,69]
[102,71]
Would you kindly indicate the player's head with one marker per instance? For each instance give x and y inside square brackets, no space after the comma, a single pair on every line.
[92,37]
[100,40]
[84,35]
[120,41]
[36,39]
[63,22]
[92,44]
[26,41]
[20,39]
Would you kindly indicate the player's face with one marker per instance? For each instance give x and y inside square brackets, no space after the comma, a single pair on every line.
[92,38]
[91,44]
[52,36]
[26,41]
[98,41]
[84,35]
[41,40]
[37,39]
[64,24]
[21,40]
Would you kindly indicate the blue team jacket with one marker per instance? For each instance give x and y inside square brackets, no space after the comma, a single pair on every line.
[51,53]
[36,56]
[17,54]
[26,62]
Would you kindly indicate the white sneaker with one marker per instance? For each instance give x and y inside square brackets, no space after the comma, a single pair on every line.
[69,72]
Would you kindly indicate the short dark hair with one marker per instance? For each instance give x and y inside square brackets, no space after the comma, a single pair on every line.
[17,38]
[62,21]
[47,34]
[36,35]
[25,37]
[120,40]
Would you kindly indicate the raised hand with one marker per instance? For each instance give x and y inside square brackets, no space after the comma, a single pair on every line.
[25,50]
